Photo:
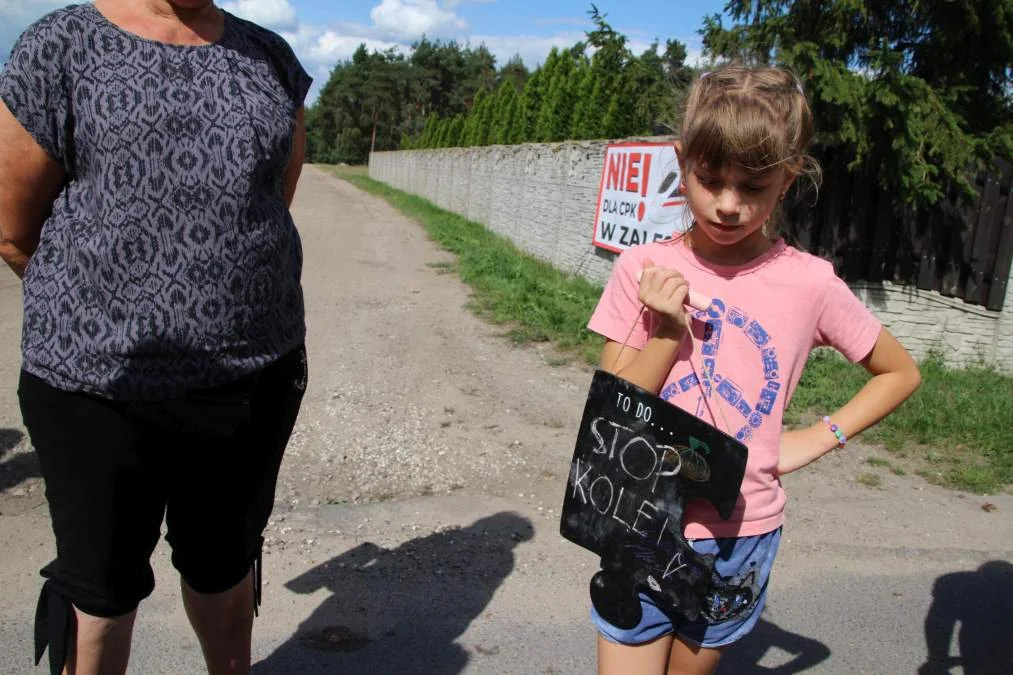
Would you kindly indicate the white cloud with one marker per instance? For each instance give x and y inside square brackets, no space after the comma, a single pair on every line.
[532,48]
[410,19]
[319,49]
[694,56]
[319,46]
[276,14]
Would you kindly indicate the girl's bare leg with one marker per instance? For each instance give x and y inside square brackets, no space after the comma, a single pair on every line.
[646,659]
[689,659]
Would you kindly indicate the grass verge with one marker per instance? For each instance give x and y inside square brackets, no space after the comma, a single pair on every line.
[952,431]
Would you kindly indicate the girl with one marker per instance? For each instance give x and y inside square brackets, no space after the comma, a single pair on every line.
[743,144]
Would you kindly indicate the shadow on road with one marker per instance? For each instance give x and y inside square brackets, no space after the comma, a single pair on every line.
[980,603]
[400,610]
[18,468]
[743,658]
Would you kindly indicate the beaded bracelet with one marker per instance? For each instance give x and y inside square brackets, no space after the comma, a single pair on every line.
[841,438]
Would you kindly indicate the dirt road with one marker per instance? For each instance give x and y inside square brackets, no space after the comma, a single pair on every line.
[416,522]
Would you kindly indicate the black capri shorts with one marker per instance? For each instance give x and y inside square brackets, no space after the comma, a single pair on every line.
[207,462]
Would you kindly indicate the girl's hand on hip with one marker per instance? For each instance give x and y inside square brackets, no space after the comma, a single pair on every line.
[800,447]
[663,290]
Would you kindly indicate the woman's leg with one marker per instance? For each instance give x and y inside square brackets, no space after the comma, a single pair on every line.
[102,644]
[106,502]
[649,658]
[223,623]
[221,499]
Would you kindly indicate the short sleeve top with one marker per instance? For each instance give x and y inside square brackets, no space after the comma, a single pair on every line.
[170,260]
[744,357]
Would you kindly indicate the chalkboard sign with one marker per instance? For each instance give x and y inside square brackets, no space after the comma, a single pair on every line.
[637,460]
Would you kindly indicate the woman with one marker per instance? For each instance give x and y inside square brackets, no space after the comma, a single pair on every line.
[149,150]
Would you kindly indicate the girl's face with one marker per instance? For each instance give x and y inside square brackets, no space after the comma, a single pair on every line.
[730,205]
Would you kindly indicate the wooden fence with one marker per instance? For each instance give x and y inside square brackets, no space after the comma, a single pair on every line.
[960,247]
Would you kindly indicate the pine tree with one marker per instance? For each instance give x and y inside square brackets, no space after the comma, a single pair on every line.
[556,110]
[590,109]
[503,110]
[454,132]
[442,133]
[614,123]
[518,121]
[515,72]
[470,133]
[427,138]
[486,115]
[649,95]
[534,91]
[601,114]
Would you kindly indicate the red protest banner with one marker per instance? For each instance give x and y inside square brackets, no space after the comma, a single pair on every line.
[638,198]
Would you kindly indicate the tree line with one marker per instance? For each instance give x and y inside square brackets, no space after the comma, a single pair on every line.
[912,94]
[444,94]
[595,89]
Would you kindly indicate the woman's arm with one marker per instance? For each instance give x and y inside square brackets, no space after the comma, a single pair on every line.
[29,182]
[895,378]
[291,177]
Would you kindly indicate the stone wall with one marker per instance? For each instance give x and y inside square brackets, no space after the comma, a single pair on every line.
[543,198]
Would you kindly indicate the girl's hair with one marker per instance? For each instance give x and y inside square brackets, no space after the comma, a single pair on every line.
[757,118]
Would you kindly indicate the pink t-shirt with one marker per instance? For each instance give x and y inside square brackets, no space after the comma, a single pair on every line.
[752,345]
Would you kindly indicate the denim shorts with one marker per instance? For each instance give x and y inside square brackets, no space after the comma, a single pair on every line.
[746,560]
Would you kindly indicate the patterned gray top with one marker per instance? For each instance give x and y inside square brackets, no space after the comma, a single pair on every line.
[170,260]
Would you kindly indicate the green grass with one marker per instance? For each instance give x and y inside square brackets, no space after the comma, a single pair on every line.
[953,431]
[957,421]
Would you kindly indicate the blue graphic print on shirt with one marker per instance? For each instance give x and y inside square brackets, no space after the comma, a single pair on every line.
[754,413]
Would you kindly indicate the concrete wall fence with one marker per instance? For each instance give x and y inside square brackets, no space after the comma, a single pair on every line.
[543,197]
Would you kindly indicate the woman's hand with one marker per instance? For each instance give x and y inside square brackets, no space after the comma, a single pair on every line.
[29,182]
[663,290]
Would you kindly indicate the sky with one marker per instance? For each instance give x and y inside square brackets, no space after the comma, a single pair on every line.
[325,32]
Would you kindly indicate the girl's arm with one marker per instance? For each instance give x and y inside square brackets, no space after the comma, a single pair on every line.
[646,368]
[29,182]
[895,378]
[663,292]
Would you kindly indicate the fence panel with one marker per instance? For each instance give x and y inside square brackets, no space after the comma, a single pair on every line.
[962,248]
[1004,249]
